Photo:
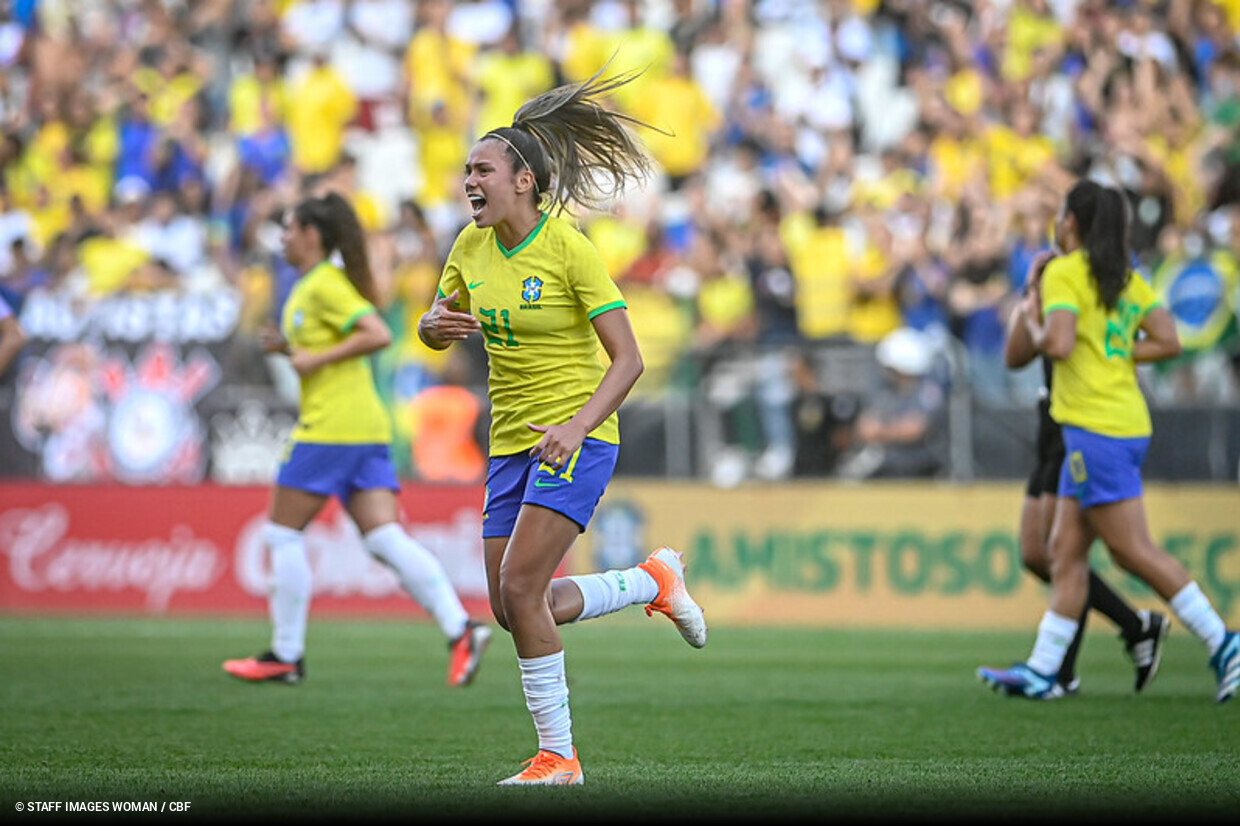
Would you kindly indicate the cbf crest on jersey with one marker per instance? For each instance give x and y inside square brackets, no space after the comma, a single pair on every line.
[531,292]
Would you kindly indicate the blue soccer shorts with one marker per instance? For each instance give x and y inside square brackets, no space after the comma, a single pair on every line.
[338,470]
[1101,469]
[574,490]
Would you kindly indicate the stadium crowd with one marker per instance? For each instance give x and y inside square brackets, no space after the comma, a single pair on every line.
[830,171]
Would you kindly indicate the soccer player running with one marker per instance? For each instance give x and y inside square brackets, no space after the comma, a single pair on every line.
[340,446]
[538,291]
[1094,308]
[1143,631]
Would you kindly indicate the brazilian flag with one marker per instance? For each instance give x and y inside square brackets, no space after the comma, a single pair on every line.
[1201,295]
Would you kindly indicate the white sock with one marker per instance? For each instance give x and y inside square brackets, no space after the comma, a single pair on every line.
[610,591]
[1191,607]
[288,601]
[1055,634]
[546,696]
[421,574]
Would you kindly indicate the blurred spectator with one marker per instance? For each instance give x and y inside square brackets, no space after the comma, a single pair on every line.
[171,235]
[320,106]
[619,237]
[370,57]
[978,291]
[776,336]
[822,422]
[634,43]
[874,308]
[821,259]
[312,26]
[901,427]
[138,141]
[577,42]
[264,150]
[1029,237]
[862,165]
[436,69]
[506,77]
[12,336]
[257,96]
[343,178]
[722,341]
[724,304]
[15,225]
[442,151]
[676,105]
[481,22]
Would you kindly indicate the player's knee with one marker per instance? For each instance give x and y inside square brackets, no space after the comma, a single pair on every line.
[278,537]
[518,596]
[497,610]
[1034,558]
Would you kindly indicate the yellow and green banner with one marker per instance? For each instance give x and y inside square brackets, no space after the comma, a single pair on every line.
[895,554]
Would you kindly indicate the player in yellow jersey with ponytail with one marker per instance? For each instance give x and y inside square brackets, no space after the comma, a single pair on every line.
[340,446]
[526,279]
[1096,320]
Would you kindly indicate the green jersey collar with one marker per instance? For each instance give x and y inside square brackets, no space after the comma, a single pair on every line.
[529,239]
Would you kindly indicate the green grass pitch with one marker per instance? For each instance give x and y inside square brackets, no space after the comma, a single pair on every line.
[763,723]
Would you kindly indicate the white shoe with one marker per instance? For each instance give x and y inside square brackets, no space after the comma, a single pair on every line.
[673,599]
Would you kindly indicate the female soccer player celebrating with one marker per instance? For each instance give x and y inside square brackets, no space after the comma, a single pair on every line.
[1093,307]
[538,291]
[340,446]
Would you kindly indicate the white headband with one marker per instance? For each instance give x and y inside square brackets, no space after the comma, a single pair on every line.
[512,146]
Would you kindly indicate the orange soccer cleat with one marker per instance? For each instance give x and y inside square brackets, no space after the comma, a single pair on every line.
[467,653]
[548,769]
[267,667]
[673,599]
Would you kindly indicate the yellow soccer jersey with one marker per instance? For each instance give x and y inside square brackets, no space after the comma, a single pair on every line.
[339,402]
[535,304]
[1096,388]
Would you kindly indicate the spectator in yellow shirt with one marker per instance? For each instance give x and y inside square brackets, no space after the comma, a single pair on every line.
[641,48]
[437,69]
[874,310]
[507,77]
[442,149]
[678,106]
[582,49]
[820,259]
[1016,153]
[259,90]
[320,109]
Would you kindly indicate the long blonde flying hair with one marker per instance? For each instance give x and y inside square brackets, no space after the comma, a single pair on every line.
[579,151]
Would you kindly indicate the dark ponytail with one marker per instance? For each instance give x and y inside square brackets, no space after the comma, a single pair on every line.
[339,229]
[1102,224]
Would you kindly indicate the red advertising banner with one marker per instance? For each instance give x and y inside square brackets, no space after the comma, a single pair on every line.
[196,550]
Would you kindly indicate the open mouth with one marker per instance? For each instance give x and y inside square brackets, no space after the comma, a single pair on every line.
[476,204]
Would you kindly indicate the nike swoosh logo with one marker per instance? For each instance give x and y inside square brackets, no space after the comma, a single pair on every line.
[475,285]
[548,483]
